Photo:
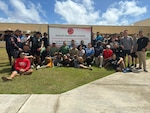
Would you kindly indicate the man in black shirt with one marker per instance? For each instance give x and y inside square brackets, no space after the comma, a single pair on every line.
[6,37]
[142,43]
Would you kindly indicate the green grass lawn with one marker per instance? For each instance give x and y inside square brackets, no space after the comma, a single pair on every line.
[47,81]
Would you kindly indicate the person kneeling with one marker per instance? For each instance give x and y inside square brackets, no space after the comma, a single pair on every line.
[21,67]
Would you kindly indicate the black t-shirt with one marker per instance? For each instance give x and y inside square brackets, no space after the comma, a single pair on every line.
[118,51]
[45,40]
[27,53]
[114,62]
[98,51]
[142,43]
[35,43]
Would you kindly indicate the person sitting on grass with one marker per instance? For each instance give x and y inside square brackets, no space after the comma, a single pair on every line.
[48,63]
[57,59]
[28,54]
[67,61]
[21,66]
[107,55]
[78,63]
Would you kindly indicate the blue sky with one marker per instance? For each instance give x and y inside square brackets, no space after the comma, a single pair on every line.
[83,12]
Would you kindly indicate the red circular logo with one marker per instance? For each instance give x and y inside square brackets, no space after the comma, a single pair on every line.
[70,31]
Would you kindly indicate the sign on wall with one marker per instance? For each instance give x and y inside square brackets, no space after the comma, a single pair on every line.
[60,34]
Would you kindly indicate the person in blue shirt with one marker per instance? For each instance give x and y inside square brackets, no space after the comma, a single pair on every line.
[89,53]
[99,37]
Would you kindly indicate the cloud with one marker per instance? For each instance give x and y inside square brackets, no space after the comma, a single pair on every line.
[122,13]
[21,11]
[77,13]
[119,13]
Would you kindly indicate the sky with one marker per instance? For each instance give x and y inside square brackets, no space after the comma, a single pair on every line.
[78,12]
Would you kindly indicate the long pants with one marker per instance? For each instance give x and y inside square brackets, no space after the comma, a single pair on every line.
[142,59]
[99,61]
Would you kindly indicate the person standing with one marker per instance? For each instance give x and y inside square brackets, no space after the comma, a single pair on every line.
[6,37]
[127,45]
[142,44]
[133,54]
[36,46]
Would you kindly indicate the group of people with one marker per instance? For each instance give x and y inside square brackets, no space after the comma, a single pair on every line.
[123,51]
[29,51]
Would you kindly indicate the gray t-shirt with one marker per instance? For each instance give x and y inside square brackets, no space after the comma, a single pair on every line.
[127,42]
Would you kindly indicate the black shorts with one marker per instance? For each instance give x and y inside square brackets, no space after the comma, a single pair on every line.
[133,55]
[35,52]
[126,52]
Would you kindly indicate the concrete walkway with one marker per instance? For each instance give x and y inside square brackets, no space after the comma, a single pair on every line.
[117,93]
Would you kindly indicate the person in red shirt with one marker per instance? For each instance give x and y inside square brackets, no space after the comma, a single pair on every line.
[107,55]
[22,67]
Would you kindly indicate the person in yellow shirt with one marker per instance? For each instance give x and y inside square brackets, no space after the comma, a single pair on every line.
[49,63]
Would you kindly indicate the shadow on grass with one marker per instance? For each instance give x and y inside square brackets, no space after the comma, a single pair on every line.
[4,64]
[5,70]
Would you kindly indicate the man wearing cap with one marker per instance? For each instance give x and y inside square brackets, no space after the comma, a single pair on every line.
[6,37]
[107,55]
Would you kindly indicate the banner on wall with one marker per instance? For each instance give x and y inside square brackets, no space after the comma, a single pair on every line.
[60,34]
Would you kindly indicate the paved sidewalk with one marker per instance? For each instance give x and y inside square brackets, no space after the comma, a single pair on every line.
[117,93]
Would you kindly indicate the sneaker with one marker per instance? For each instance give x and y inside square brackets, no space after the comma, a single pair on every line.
[100,66]
[129,66]
[132,65]
[32,67]
[90,69]
[6,79]
[139,68]
[135,65]
[90,66]
[37,67]
[124,70]
[145,70]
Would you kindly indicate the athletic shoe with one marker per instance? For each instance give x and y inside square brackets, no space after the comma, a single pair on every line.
[145,70]
[100,66]
[139,68]
[6,79]
[37,67]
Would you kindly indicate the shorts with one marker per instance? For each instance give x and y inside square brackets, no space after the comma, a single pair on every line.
[35,52]
[19,71]
[126,52]
[133,55]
